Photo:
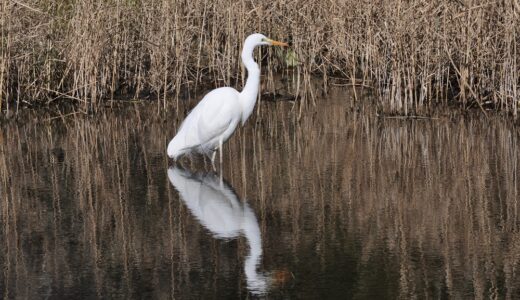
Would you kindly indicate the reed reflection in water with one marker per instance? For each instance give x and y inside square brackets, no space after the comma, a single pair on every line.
[351,204]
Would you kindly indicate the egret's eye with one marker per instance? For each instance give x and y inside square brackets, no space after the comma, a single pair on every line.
[264,40]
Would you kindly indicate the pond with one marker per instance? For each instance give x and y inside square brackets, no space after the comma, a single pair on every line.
[333,201]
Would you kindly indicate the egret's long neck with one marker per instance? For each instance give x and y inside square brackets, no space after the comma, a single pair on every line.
[250,91]
[255,281]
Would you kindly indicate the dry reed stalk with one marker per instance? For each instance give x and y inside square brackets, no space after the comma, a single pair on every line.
[416,54]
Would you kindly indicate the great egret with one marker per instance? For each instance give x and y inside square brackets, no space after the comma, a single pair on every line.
[216,116]
[219,209]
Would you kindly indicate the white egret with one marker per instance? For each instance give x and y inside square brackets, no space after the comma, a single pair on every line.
[219,209]
[216,116]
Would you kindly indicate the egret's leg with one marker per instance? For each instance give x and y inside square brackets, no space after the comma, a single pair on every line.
[213,160]
[220,153]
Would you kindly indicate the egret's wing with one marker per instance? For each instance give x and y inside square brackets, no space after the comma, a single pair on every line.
[221,109]
[212,125]
[211,117]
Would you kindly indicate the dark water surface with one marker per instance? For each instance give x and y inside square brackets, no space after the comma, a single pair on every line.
[339,203]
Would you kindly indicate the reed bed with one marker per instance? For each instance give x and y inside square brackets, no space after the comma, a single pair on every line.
[86,206]
[414,54]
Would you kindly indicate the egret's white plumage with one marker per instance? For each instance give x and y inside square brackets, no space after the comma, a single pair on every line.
[216,116]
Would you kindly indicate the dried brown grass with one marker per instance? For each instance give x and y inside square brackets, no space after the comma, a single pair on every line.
[415,54]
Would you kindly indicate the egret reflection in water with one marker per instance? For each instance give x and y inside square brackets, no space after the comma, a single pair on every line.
[218,208]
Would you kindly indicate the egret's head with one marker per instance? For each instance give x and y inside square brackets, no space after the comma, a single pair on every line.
[260,39]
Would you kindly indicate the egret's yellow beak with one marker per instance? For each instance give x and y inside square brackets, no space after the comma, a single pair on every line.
[277,43]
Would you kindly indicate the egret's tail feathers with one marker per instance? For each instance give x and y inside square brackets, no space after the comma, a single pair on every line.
[175,149]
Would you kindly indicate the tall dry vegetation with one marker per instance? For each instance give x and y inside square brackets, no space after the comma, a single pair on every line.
[414,54]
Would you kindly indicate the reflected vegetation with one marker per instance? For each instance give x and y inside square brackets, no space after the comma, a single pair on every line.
[350,204]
